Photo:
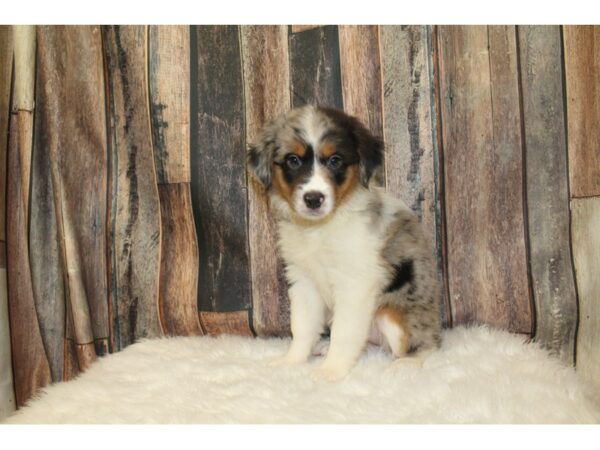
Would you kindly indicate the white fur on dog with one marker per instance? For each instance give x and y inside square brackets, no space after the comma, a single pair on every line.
[479,376]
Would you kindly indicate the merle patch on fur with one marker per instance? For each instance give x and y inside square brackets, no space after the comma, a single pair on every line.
[403,274]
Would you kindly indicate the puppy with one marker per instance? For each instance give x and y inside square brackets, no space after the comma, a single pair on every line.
[356,258]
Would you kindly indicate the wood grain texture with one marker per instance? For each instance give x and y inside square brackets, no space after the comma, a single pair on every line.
[179,262]
[71,82]
[582,74]
[585,229]
[300,28]
[361,74]
[30,366]
[44,251]
[169,84]
[219,171]
[7,391]
[487,264]
[23,103]
[408,128]
[315,67]
[234,322]
[547,189]
[135,210]
[266,82]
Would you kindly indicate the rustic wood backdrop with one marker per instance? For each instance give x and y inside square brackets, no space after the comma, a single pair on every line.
[126,210]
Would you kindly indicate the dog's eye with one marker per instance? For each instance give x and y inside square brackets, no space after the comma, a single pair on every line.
[292,161]
[334,162]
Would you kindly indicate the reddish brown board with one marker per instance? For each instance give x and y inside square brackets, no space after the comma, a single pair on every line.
[30,366]
[582,75]
[219,170]
[179,262]
[315,67]
[487,263]
[134,267]
[266,81]
[169,86]
[547,189]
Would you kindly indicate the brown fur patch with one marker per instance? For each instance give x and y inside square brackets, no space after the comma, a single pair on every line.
[349,184]
[328,150]
[397,316]
[281,185]
[299,149]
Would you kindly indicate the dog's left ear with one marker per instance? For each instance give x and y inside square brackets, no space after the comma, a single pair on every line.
[370,150]
[260,160]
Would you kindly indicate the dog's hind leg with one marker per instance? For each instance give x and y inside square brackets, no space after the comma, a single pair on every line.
[391,325]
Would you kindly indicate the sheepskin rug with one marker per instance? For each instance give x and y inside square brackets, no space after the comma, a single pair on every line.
[480,375]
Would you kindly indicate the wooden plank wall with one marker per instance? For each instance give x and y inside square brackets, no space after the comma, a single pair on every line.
[134,215]
[582,75]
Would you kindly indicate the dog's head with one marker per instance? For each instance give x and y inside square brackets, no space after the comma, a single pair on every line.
[314,158]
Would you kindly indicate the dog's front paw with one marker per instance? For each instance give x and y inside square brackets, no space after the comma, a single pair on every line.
[329,373]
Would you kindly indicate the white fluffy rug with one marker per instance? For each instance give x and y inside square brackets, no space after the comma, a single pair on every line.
[479,376]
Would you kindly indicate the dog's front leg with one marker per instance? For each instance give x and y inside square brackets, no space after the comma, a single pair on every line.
[307,315]
[354,309]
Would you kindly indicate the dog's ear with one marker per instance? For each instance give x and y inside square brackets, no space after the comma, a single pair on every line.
[370,151]
[260,160]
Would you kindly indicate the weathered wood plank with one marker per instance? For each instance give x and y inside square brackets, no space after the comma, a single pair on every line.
[487,264]
[216,323]
[44,251]
[582,75]
[547,189]
[219,170]
[169,84]
[7,391]
[301,28]
[361,74]
[408,128]
[134,267]
[71,81]
[266,81]
[315,67]
[24,79]
[585,229]
[30,366]
[178,290]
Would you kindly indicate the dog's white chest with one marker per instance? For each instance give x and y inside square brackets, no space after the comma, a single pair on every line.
[335,256]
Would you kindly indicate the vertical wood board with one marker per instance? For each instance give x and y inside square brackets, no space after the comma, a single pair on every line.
[585,229]
[487,265]
[582,76]
[547,189]
[219,170]
[266,87]
[315,67]
[135,211]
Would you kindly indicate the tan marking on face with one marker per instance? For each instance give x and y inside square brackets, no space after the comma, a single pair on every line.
[351,181]
[279,183]
[328,150]
[397,316]
[299,149]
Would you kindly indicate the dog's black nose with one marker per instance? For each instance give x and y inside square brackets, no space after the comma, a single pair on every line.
[313,199]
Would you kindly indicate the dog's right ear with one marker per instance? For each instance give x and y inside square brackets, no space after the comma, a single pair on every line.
[260,161]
